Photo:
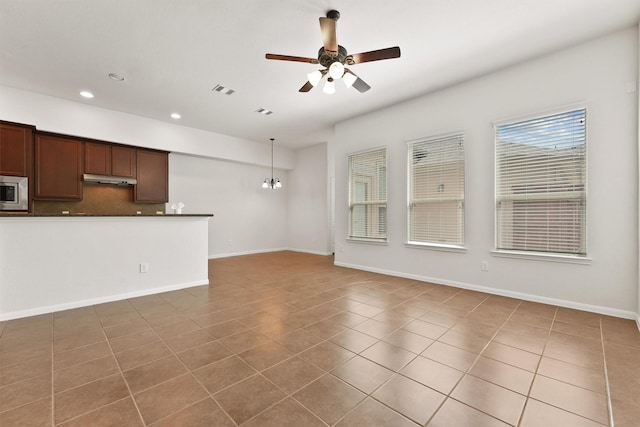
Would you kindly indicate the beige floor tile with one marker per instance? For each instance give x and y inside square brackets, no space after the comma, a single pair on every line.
[140,355]
[83,373]
[353,340]
[504,375]
[34,414]
[287,413]
[77,401]
[413,400]
[425,329]
[298,341]
[24,371]
[293,374]
[435,375]
[27,391]
[203,355]
[327,355]
[539,414]
[120,413]
[169,397]
[570,398]
[243,341]
[593,380]
[388,355]
[363,374]
[266,355]
[512,356]
[329,398]
[371,413]
[451,356]
[489,398]
[453,413]
[248,398]
[146,376]
[132,341]
[204,413]
[223,373]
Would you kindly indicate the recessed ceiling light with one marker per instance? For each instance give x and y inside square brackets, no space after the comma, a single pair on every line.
[116,77]
[222,89]
[86,94]
[264,111]
[175,116]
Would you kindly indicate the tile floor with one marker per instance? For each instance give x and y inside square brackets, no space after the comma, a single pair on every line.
[288,339]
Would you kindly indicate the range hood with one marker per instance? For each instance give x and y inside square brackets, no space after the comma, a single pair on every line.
[106,179]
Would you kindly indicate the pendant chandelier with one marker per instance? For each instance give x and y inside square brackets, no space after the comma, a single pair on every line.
[272,183]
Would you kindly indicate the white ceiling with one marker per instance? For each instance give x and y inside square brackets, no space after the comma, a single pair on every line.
[172,53]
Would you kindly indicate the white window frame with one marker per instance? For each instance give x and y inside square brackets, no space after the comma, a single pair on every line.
[372,206]
[451,194]
[580,257]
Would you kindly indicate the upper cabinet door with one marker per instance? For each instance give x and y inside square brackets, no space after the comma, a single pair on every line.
[59,168]
[123,161]
[97,158]
[16,150]
[152,176]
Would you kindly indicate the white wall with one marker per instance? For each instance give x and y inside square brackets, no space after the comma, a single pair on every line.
[596,73]
[308,220]
[52,264]
[247,218]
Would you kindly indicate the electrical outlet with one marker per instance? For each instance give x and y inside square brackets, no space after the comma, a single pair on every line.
[484,266]
[144,267]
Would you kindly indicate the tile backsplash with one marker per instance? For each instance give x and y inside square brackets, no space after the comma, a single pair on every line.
[99,199]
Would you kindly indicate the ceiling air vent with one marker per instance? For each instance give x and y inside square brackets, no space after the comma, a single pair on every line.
[264,111]
[223,90]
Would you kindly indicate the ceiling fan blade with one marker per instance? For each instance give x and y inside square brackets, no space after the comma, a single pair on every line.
[374,55]
[291,58]
[361,86]
[306,88]
[329,38]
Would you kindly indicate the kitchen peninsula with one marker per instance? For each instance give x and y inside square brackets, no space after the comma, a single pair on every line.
[57,262]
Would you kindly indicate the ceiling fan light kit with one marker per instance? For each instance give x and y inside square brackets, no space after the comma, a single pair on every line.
[333,58]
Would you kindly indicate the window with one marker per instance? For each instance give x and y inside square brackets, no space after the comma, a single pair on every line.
[436,190]
[368,195]
[541,182]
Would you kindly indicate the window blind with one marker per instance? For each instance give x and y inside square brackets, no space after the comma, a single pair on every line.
[368,195]
[541,182]
[436,190]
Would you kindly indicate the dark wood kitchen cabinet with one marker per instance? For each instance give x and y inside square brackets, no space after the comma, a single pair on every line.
[16,150]
[59,165]
[107,159]
[152,170]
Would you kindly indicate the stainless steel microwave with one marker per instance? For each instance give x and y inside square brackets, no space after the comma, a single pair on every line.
[14,193]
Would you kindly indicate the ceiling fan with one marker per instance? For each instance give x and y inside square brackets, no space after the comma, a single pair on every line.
[334,57]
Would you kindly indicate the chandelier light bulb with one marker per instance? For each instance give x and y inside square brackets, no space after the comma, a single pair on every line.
[349,78]
[336,70]
[329,87]
[314,77]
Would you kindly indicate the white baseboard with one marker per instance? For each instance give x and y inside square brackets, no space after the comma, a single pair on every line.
[251,252]
[264,251]
[638,320]
[495,291]
[308,251]
[93,301]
